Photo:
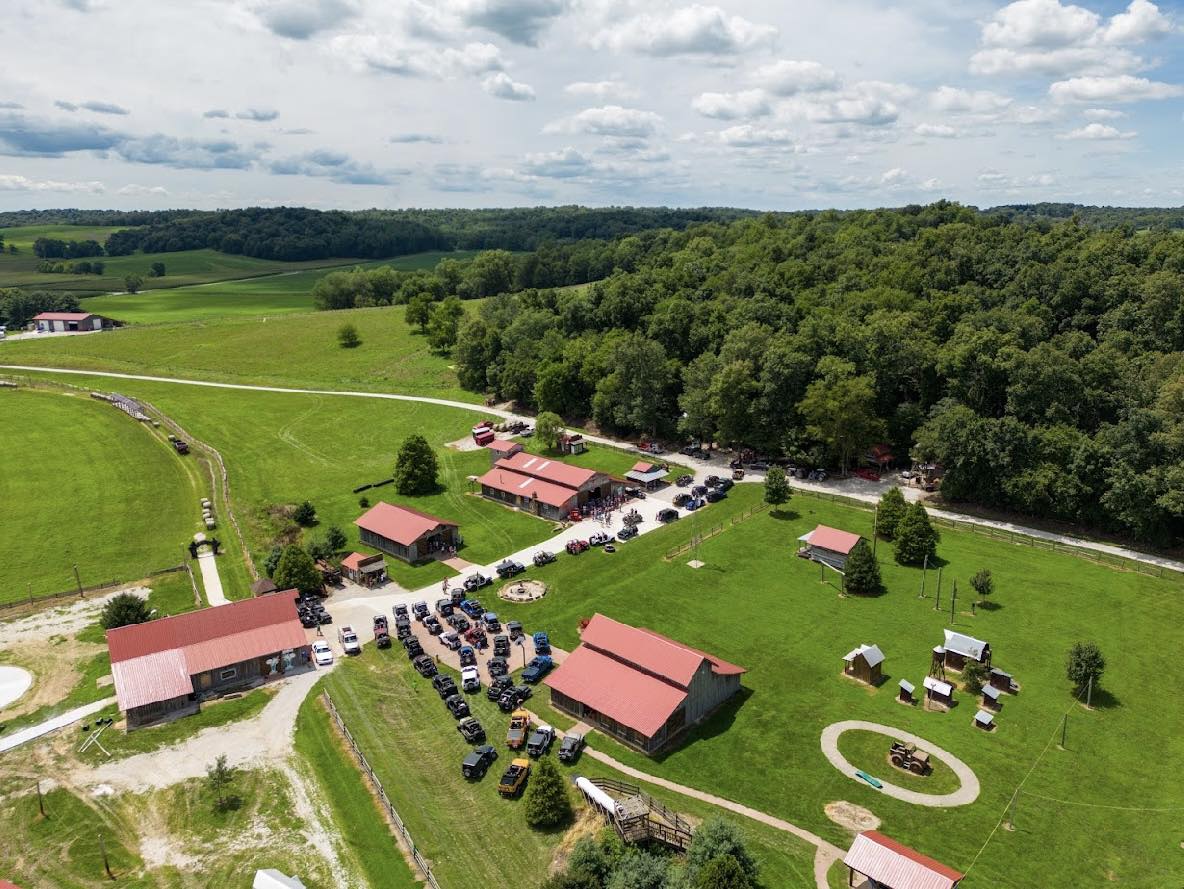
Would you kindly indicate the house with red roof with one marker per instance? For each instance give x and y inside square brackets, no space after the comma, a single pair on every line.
[167,666]
[502,448]
[648,475]
[70,322]
[639,686]
[407,533]
[888,864]
[544,486]
[366,570]
[827,545]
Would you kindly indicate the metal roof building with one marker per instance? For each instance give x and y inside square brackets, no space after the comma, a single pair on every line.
[406,533]
[892,865]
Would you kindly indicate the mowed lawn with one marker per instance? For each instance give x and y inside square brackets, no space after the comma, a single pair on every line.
[273,294]
[1103,811]
[287,350]
[84,484]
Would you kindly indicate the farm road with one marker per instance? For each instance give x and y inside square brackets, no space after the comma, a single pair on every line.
[700,465]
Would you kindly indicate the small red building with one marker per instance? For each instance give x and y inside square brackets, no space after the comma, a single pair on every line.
[369,571]
[827,545]
[892,865]
[71,322]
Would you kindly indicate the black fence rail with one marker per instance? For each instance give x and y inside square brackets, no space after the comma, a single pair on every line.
[81,592]
[401,829]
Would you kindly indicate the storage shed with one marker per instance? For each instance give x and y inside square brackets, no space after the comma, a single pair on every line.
[888,864]
[369,571]
[938,692]
[646,474]
[863,663]
[827,545]
[984,720]
[991,698]
[959,649]
[71,322]
[906,692]
[1003,681]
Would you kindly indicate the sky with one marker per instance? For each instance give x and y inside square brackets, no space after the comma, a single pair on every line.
[783,105]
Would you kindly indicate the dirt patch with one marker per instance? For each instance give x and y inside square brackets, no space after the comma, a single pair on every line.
[62,620]
[464,444]
[523,591]
[854,818]
[587,824]
[56,669]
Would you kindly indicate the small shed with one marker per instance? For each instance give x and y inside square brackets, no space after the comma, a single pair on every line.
[263,586]
[985,720]
[991,698]
[938,692]
[646,474]
[572,443]
[888,864]
[502,447]
[863,663]
[906,692]
[960,649]
[827,545]
[369,571]
[1003,681]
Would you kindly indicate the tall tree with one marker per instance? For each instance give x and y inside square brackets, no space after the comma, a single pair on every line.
[777,490]
[547,802]
[839,409]
[547,429]
[890,511]
[416,467]
[718,837]
[444,323]
[916,537]
[419,311]
[124,609]
[297,571]
[861,574]
[1085,664]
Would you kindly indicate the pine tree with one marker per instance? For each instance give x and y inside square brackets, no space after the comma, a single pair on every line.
[305,514]
[861,574]
[297,571]
[547,801]
[982,583]
[125,609]
[891,511]
[416,467]
[916,538]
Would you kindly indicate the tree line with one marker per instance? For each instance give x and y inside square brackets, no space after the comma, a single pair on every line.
[18,307]
[56,248]
[1041,365]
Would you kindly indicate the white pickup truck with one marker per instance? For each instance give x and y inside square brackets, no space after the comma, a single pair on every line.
[349,640]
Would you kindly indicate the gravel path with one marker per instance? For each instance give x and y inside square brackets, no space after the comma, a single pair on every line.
[963,796]
[52,725]
[210,579]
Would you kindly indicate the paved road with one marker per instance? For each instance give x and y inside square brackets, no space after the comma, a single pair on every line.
[847,487]
[210,579]
[963,796]
[52,725]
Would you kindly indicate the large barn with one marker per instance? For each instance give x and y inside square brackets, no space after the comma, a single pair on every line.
[545,487]
[169,665]
[71,322]
[639,686]
[407,533]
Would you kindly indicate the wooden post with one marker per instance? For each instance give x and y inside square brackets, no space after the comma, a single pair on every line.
[924,571]
[875,527]
[1064,725]
[40,800]
[106,863]
[937,604]
[78,580]
[953,601]
[1089,692]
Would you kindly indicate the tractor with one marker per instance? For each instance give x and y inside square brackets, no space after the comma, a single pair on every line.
[908,757]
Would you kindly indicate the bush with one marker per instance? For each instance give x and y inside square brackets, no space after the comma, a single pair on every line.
[982,583]
[156,270]
[715,838]
[133,283]
[916,538]
[777,492]
[347,336]
[125,609]
[364,502]
[272,560]
[891,511]
[974,677]
[297,571]
[723,872]
[1085,662]
[220,781]
[547,801]
[416,467]
[862,572]
[305,514]
[336,539]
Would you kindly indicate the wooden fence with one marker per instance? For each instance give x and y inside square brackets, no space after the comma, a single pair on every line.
[698,538]
[402,833]
[80,592]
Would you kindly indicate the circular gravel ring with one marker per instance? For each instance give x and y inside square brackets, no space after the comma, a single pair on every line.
[963,796]
[14,682]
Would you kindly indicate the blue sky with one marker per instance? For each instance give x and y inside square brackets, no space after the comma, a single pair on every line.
[394,103]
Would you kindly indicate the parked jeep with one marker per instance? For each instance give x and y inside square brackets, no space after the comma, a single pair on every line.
[540,741]
[509,568]
[444,685]
[471,730]
[570,747]
[542,557]
[497,685]
[425,666]
[477,763]
[668,515]
[457,706]
[470,679]
[514,778]
[414,649]
[538,668]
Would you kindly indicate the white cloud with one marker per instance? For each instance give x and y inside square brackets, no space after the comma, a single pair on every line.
[602,89]
[1043,23]
[564,164]
[788,77]
[502,86]
[388,55]
[749,136]
[937,130]
[1121,88]
[732,106]
[688,30]
[1103,114]
[519,21]
[143,191]
[1065,60]
[996,180]
[301,19]
[1141,21]
[608,120]
[259,115]
[12,182]
[1098,131]
[952,100]
[865,110]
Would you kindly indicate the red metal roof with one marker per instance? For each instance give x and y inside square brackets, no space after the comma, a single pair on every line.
[629,696]
[502,478]
[896,866]
[555,471]
[833,539]
[401,524]
[650,651]
[644,467]
[63,316]
[718,665]
[504,447]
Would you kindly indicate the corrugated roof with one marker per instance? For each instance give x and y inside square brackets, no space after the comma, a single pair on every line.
[991,692]
[401,524]
[642,466]
[160,676]
[942,688]
[502,478]
[967,646]
[63,316]
[355,561]
[896,866]
[907,686]
[984,717]
[650,652]
[504,447]
[263,586]
[833,539]
[718,665]
[215,653]
[554,471]
[631,697]
[871,654]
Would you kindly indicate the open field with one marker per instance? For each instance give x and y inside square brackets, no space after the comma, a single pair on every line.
[1096,813]
[85,485]
[391,358]
[273,294]
[23,236]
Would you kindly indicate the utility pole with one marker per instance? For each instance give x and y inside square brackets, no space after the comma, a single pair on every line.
[924,571]
[78,580]
[1089,692]
[875,528]
[937,604]
[953,601]
[40,800]
[1064,726]
[106,863]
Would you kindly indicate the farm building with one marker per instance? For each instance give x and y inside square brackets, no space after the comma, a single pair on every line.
[545,487]
[905,695]
[646,474]
[572,443]
[985,720]
[938,691]
[863,663]
[888,864]
[406,533]
[639,686]
[366,570]
[959,649]
[1003,681]
[71,322]
[500,447]
[169,665]
[830,546]
[991,698]
[263,586]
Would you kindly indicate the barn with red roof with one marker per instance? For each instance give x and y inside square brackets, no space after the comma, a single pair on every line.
[888,864]
[639,686]
[70,322]
[827,545]
[543,486]
[167,666]
[407,533]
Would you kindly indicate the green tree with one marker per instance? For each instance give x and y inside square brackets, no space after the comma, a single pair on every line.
[220,777]
[639,869]
[336,538]
[635,395]
[416,467]
[1085,663]
[133,283]
[305,514]
[839,409]
[124,609]
[714,838]
[589,857]
[297,571]
[156,270]
[723,872]
[982,583]
[777,490]
[419,311]
[890,512]
[444,324]
[548,804]
[272,561]
[916,537]
[974,677]
[547,429]
[347,336]
[861,574]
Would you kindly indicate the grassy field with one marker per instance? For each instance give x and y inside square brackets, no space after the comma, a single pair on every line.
[869,751]
[288,350]
[1093,814]
[84,484]
[277,293]
[411,741]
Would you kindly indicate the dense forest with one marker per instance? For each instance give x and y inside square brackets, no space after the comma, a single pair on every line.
[1158,218]
[1041,364]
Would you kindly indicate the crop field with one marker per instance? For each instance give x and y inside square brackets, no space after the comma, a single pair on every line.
[287,350]
[84,484]
[1098,812]
[272,294]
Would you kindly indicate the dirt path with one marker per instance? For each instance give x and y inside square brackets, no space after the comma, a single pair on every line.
[963,796]
[60,620]
[52,725]
[207,561]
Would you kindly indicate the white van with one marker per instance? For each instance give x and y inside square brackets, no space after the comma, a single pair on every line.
[349,640]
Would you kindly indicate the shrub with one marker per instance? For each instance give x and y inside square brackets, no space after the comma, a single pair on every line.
[916,538]
[777,492]
[1085,662]
[336,539]
[862,572]
[220,781]
[723,872]
[364,502]
[272,560]
[982,583]
[891,511]
[717,837]
[305,514]
[974,677]
[125,609]
[347,336]
[547,801]
[297,571]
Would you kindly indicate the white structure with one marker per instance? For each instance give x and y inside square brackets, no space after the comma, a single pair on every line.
[273,879]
